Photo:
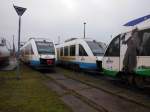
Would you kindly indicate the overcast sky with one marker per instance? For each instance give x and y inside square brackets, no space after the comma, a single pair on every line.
[65,18]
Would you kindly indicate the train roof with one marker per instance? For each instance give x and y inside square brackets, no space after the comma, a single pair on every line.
[30,40]
[75,40]
[71,39]
[142,26]
[39,39]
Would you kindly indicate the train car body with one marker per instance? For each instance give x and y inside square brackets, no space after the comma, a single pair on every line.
[39,53]
[4,53]
[134,52]
[81,53]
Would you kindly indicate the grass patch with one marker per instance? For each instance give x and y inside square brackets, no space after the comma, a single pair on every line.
[28,94]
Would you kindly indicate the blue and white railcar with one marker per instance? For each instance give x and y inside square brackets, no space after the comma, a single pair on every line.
[4,53]
[39,53]
[81,53]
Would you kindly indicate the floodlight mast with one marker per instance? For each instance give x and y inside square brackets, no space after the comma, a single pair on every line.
[20,11]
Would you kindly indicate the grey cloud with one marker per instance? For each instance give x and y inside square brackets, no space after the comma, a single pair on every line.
[64,18]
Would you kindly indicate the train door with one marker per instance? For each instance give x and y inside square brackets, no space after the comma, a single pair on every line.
[144,49]
[82,53]
[111,59]
[123,47]
[81,56]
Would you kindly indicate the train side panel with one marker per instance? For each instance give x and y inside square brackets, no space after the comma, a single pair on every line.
[79,54]
[129,57]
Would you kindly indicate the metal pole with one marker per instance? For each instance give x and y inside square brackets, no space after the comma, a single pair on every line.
[84,28]
[18,54]
[13,48]
[20,11]
[58,39]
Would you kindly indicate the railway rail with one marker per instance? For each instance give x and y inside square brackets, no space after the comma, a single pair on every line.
[113,86]
[98,97]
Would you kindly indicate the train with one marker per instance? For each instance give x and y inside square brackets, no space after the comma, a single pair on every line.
[4,53]
[124,57]
[39,53]
[81,53]
[129,58]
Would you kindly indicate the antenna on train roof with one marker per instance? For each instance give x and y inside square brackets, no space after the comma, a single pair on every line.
[58,40]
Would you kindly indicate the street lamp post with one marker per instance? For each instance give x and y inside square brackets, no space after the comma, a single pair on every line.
[84,28]
[20,11]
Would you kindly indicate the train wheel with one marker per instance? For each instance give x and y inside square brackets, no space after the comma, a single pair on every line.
[127,77]
[124,77]
[139,81]
[76,68]
[130,79]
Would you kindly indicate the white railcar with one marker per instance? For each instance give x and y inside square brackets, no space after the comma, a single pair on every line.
[4,53]
[39,53]
[81,53]
[128,57]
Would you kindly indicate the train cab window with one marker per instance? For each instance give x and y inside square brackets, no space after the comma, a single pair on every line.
[66,51]
[97,48]
[114,47]
[61,51]
[82,51]
[45,47]
[72,50]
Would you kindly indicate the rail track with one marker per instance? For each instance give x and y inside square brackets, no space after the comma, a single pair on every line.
[98,95]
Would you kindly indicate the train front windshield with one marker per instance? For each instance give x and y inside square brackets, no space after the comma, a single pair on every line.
[97,48]
[45,47]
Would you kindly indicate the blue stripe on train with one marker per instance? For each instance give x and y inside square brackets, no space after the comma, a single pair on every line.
[82,65]
[87,65]
[34,62]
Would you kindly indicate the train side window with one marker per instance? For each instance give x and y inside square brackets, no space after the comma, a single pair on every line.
[82,51]
[114,47]
[72,50]
[61,51]
[66,51]
[144,49]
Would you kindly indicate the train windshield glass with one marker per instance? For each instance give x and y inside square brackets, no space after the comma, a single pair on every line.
[45,47]
[97,48]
